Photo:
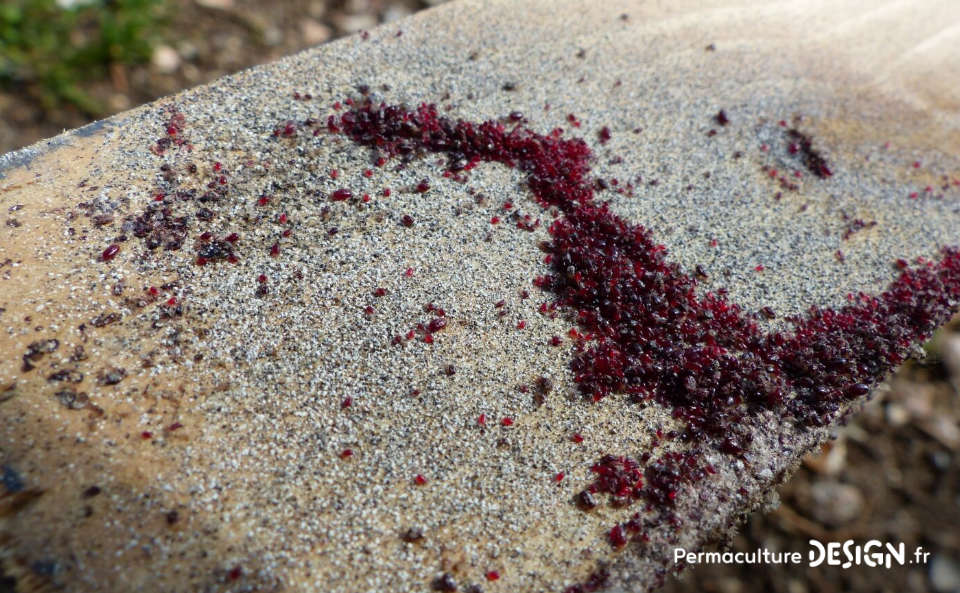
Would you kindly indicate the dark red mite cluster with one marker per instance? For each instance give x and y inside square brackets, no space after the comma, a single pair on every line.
[645,330]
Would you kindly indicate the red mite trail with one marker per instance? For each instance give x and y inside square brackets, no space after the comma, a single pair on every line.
[646,331]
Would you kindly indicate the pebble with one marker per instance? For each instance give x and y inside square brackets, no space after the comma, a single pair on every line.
[835,503]
[314,32]
[944,574]
[165,59]
[351,23]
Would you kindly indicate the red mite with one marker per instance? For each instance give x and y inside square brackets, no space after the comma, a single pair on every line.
[341,195]
[110,252]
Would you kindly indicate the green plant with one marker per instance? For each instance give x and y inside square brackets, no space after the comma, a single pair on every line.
[51,48]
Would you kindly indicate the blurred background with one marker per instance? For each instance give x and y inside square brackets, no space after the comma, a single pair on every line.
[892,474]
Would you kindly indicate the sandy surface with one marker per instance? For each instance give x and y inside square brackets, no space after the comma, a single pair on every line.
[242,483]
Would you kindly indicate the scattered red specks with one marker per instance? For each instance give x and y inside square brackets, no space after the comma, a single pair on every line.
[492,575]
[282,219]
[110,252]
[407,220]
[369,310]
[423,186]
[840,256]
[341,194]
[286,233]
[764,148]
[604,135]
[174,426]
[346,403]
[507,421]
[408,272]
[153,291]
[263,200]
[419,480]
[721,118]
[172,301]
[713,243]
[346,453]
[555,341]
[275,250]
[916,164]
[914,195]
[368,173]
[521,324]
[482,420]
[159,197]
[559,477]
[217,167]
[334,174]
[573,120]
[365,198]
[235,573]
[386,192]
[233,238]
[495,220]
[577,438]
[146,435]
[759,268]
[783,123]
[379,292]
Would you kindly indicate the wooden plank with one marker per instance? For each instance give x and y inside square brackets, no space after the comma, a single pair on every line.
[174,426]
